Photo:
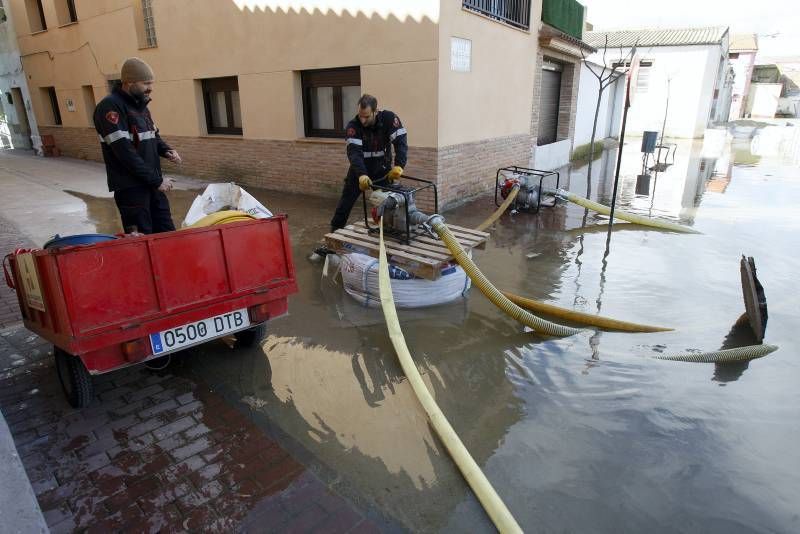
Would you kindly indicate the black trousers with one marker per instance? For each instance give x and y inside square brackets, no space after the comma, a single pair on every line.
[144,207]
[350,193]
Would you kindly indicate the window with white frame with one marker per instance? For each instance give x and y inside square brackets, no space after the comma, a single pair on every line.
[643,76]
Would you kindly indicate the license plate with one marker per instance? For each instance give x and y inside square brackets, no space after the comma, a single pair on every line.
[198,332]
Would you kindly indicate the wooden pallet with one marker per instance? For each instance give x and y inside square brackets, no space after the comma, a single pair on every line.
[424,256]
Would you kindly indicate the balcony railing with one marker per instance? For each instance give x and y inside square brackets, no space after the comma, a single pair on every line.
[516,13]
[566,15]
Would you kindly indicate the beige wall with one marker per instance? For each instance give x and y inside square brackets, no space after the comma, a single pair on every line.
[461,126]
[265,47]
[495,98]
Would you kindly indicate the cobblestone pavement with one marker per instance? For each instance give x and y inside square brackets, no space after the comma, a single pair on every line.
[154,452]
[10,240]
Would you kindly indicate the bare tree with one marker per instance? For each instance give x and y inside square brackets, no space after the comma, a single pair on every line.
[606,77]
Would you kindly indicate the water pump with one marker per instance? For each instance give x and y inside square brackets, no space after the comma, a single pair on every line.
[402,220]
[529,182]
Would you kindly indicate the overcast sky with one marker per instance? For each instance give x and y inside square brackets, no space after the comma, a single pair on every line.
[764,17]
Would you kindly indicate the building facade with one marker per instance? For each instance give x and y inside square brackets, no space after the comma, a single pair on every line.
[742,55]
[558,68]
[776,88]
[683,77]
[258,91]
[612,100]
[18,127]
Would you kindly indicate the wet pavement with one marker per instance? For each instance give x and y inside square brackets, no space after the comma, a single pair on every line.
[155,452]
[158,450]
[586,433]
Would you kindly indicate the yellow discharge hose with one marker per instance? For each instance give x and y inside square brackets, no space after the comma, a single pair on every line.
[483,489]
[499,211]
[625,216]
[222,217]
[492,293]
[580,317]
[739,354]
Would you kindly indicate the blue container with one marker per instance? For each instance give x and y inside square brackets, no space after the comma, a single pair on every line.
[73,240]
[649,142]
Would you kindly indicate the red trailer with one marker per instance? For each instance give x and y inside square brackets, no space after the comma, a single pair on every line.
[122,302]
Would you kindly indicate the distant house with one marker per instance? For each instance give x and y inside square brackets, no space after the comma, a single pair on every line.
[789,103]
[765,92]
[18,127]
[609,114]
[776,88]
[686,69]
[742,57]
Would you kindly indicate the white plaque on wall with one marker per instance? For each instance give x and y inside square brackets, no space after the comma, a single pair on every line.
[460,54]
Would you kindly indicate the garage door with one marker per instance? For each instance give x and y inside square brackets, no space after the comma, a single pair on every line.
[548,105]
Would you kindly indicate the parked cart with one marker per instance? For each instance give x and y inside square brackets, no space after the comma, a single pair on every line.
[125,301]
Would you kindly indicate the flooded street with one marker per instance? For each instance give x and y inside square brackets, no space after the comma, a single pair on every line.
[581,434]
[586,433]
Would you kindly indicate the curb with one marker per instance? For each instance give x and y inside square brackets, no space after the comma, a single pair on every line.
[19,509]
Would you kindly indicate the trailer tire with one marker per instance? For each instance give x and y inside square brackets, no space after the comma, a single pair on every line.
[251,337]
[76,382]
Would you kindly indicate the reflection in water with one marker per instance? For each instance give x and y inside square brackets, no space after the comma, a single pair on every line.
[741,335]
[348,401]
[103,213]
[594,341]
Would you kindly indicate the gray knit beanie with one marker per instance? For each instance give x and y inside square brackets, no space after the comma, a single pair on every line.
[136,70]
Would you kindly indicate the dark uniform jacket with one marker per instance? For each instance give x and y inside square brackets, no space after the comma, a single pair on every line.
[130,141]
[370,149]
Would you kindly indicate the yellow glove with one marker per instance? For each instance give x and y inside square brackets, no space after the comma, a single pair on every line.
[395,173]
[364,182]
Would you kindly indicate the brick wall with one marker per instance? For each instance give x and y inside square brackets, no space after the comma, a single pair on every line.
[469,169]
[537,87]
[81,143]
[568,105]
[460,171]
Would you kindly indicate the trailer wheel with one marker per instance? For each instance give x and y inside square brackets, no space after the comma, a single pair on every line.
[76,382]
[251,337]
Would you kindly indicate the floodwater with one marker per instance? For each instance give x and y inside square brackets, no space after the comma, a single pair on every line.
[581,434]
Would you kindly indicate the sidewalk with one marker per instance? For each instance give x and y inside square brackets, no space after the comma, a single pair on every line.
[155,452]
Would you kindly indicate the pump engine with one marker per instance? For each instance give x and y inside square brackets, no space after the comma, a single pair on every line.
[397,205]
[529,182]
[528,196]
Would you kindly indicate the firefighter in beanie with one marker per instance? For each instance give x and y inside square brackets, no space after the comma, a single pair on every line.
[131,151]
[369,138]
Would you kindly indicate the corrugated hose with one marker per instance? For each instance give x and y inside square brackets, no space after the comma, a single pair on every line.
[488,497]
[492,293]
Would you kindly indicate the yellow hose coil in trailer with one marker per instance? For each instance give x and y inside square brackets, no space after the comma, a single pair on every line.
[483,489]
[222,217]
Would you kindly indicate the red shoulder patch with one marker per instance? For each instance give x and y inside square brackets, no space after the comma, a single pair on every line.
[396,122]
[351,132]
[112,117]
